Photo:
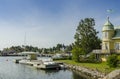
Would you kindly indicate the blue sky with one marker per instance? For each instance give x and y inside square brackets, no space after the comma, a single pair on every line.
[48,22]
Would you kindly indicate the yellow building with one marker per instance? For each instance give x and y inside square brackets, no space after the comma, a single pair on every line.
[110,41]
[110,38]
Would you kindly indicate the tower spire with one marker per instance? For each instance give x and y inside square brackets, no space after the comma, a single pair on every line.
[108,18]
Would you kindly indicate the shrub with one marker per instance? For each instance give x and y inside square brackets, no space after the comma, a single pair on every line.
[76,51]
[92,56]
[112,60]
[89,59]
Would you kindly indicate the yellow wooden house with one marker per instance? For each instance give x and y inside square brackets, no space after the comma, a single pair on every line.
[110,41]
[110,38]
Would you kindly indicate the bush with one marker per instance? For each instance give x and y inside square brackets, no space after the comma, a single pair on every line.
[90,59]
[92,56]
[76,51]
[112,60]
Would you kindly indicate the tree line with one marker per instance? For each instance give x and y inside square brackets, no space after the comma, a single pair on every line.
[59,48]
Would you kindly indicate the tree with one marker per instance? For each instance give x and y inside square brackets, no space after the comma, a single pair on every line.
[59,46]
[86,36]
[68,48]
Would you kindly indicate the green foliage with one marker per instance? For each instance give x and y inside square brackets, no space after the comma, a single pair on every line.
[59,48]
[92,56]
[76,52]
[18,49]
[86,36]
[112,60]
[102,67]
[68,48]
[89,59]
[118,57]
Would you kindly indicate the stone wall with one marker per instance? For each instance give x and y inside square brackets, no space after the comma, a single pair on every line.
[113,75]
[92,74]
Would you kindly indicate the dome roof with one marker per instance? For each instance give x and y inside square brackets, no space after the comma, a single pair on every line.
[108,26]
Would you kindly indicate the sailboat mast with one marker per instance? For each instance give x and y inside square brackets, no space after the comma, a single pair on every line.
[25,39]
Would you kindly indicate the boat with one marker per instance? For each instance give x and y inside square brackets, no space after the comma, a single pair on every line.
[31,59]
[47,65]
[17,60]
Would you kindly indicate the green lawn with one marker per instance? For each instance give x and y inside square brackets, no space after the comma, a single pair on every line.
[102,67]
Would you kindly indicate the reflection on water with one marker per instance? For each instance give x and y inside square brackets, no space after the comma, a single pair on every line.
[10,70]
[76,75]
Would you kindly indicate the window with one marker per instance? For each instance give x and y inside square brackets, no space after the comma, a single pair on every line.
[105,34]
[117,46]
[105,46]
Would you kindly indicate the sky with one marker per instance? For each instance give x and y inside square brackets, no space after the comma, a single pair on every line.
[49,22]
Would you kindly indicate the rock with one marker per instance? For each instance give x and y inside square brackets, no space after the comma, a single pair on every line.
[89,72]
[113,75]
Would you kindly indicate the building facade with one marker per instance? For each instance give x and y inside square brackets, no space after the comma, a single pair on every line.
[110,38]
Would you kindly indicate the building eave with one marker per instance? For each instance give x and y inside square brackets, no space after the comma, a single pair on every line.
[116,38]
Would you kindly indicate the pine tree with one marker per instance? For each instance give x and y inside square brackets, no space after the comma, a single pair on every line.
[86,35]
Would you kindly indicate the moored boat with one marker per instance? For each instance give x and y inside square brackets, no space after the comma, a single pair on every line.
[47,65]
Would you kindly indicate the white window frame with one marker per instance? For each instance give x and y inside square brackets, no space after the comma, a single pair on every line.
[105,46]
[117,46]
[105,34]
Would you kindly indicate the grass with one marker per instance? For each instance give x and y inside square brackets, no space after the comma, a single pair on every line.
[102,67]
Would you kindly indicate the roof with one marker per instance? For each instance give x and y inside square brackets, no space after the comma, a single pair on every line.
[117,34]
[108,25]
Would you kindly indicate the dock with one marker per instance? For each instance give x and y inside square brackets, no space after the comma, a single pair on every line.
[47,65]
[30,62]
[39,64]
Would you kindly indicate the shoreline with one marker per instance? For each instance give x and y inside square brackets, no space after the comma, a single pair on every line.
[92,74]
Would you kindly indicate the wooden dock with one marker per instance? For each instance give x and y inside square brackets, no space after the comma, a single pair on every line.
[30,62]
[39,64]
[47,66]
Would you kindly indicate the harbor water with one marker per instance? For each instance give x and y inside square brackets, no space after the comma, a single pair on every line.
[11,70]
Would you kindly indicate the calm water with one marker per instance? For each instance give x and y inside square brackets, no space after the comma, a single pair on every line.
[10,70]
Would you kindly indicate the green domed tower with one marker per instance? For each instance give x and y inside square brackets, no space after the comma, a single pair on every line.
[108,33]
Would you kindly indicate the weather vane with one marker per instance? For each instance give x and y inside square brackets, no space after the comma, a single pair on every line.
[109,11]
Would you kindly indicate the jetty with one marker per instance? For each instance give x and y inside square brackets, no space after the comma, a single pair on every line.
[49,64]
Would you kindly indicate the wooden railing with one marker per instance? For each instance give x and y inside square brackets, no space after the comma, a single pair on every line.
[105,51]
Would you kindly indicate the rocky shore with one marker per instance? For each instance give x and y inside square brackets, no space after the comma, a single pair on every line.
[92,74]
[113,75]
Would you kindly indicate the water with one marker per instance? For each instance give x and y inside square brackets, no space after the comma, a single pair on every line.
[11,70]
